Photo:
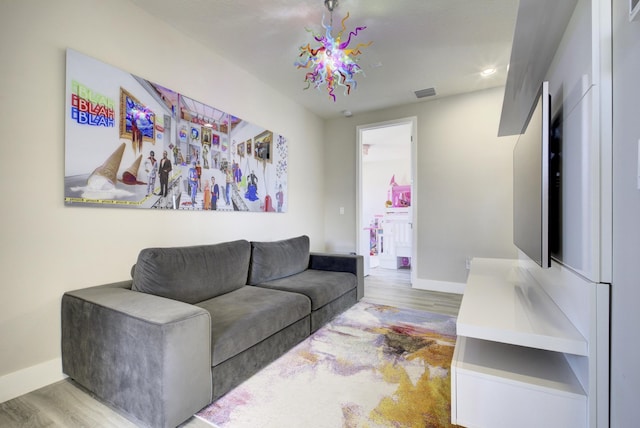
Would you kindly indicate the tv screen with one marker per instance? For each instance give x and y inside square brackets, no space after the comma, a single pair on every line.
[555,188]
[531,182]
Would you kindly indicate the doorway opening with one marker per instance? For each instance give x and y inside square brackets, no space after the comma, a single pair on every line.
[387,198]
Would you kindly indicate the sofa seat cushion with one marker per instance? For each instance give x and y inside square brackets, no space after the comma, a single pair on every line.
[248,315]
[192,274]
[278,259]
[320,286]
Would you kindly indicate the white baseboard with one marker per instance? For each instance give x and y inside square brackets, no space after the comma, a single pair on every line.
[441,286]
[18,383]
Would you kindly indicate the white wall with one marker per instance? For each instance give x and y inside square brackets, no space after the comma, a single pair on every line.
[625,316]
[464,182]
[580,91]
[48,248]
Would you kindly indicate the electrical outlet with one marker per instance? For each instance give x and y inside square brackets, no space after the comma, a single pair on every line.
[341,210]
[467,263]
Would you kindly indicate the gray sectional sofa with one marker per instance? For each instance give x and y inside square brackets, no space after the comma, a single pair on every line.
[194,322]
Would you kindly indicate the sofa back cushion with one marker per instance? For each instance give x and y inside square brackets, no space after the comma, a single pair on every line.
[278,259]
[192,274]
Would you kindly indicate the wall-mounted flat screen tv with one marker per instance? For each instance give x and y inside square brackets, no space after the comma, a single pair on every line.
[531,182]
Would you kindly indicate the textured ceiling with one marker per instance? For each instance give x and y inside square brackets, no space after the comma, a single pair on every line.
[417,44]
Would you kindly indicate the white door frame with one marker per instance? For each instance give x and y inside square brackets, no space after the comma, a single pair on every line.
[413,121]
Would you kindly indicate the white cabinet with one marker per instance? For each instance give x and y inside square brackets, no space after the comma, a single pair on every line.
[395,238]
[518,359]
[502,385]
[503,303]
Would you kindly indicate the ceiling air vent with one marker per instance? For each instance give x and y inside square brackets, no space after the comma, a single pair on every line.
[423,93]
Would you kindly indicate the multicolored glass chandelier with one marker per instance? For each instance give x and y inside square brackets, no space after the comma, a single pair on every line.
[332,63]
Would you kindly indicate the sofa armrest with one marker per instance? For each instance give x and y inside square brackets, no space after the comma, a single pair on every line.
[340,263]
[146,355]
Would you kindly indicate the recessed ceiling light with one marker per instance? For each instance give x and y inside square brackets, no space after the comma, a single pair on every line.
[488,72]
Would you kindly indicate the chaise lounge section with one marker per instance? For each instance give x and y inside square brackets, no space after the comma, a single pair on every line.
[194,322]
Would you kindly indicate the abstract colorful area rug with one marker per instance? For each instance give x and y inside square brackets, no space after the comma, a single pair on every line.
[373,366]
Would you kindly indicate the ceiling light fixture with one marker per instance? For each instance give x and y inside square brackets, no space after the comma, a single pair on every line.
[331,4]
[488,72]
[332,63]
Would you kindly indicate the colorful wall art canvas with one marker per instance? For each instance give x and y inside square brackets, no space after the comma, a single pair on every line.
[132,143]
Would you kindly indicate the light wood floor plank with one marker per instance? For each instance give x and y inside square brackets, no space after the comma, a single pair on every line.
[65,404]
[393,287]
[19,412]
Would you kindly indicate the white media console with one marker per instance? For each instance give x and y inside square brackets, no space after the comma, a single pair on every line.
[526,353]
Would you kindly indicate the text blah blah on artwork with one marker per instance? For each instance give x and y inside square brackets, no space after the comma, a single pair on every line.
[132,143]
